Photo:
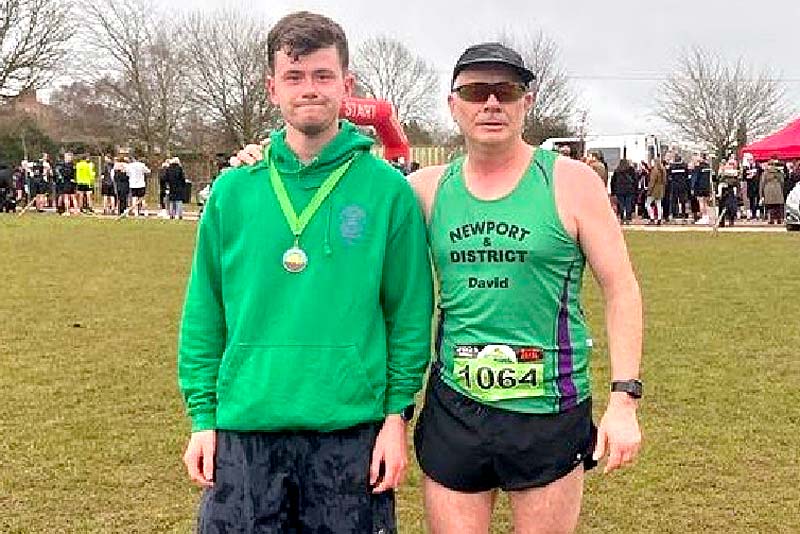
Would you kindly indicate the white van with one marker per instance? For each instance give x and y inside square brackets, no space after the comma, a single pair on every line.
[633,147]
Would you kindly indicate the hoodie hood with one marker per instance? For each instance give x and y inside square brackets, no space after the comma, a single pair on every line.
[347,143]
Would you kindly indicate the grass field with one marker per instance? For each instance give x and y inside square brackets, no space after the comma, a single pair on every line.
[92,427]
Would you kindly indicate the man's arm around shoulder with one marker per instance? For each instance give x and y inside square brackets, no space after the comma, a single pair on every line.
[425,183]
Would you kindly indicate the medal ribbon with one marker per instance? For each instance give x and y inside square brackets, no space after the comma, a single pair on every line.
[298,224]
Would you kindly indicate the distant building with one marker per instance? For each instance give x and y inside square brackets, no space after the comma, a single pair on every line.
[27,103]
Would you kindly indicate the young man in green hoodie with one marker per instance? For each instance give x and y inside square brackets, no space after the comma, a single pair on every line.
[306,326]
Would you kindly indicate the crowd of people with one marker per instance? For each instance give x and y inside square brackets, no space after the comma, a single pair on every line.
[657,192]
[676,190]
[69,185]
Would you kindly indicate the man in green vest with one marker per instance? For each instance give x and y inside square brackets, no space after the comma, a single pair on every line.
[511,228]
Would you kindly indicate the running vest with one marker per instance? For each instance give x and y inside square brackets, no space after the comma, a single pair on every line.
[511,333]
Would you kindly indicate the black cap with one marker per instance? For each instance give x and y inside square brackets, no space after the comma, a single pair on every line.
[493,53]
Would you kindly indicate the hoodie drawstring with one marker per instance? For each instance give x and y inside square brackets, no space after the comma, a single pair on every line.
[327,245]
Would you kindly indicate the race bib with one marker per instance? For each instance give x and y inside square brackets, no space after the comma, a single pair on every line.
[499,372]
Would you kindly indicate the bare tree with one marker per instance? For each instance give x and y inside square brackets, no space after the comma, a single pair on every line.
[139,59]
[556,100]
[33,40]
[227,51]
[169,76]
[385,68]
[721,104]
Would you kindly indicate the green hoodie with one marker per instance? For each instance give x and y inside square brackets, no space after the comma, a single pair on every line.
[344,342]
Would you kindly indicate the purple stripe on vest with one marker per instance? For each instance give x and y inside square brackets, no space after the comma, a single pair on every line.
[566,387]
[439,334]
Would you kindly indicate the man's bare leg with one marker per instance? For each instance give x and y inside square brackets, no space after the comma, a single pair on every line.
[552,509]
[703,207]
[455,512]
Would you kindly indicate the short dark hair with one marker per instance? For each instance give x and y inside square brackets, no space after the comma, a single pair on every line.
[302,33]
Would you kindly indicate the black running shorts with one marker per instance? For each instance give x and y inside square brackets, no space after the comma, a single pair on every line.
[701,192]
[471,447]
[40,187]
[138,192]
[292,482]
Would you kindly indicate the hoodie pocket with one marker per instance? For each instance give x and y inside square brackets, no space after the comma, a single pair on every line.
[273,387]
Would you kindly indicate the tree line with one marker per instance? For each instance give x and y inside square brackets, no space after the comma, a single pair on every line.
[129,73]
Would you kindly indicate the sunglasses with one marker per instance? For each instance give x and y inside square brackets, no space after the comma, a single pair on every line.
[479,92]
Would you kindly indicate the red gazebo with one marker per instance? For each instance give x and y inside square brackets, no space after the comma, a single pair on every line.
[784,143]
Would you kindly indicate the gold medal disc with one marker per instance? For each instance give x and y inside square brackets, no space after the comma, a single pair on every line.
[295,260]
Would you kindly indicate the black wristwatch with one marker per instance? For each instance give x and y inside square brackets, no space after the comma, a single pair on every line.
[408,413]
[632,387]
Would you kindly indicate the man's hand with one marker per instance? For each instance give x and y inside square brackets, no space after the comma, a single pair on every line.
[199,457]
[390,451]
[249,155]
[619,432]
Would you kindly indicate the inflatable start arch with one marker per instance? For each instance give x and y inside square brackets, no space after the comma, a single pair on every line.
[380,115]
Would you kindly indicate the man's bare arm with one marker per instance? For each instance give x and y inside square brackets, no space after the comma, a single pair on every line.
[583,203]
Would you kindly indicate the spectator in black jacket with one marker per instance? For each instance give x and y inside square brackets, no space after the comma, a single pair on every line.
[41,177]
[623,187]
[701,188]
[729,185]
[20,176]
[642,177]
[163,188]
[67,203]
[752,177]
[176,181]
[678,179]
[107,186]
[123,186]
[7,196]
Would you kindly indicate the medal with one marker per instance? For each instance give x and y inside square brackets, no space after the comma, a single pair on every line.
[295,259]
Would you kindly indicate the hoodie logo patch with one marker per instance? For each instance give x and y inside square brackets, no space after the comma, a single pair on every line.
[352,220]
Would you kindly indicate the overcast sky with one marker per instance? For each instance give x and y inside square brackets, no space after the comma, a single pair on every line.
[614,38]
